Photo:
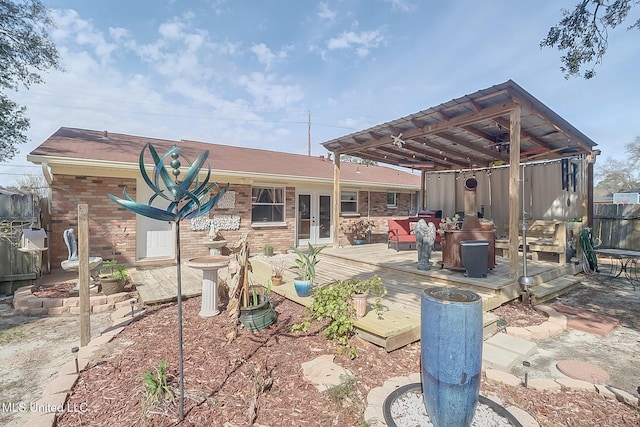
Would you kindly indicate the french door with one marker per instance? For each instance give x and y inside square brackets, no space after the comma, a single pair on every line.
[313,225]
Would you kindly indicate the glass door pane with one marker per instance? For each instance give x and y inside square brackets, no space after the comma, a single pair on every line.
[324,226]
[304,216]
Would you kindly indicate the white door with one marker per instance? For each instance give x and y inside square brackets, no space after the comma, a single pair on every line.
[314,222]
[154,239]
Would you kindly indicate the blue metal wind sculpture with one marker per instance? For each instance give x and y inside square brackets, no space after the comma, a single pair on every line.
[185,202]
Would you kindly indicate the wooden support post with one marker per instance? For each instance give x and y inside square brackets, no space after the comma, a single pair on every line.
[336,200]
[423,191]
[514,190]
[83,273]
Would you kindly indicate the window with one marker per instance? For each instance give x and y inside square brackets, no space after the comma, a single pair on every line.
[349,202]
[267,204]
[392,201]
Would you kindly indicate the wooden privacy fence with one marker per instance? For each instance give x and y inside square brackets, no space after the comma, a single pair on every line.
[618,226]
[17,268]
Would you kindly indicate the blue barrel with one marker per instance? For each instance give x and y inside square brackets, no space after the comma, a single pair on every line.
[451,351]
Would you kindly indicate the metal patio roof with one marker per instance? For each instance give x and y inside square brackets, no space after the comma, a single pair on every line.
[467,132]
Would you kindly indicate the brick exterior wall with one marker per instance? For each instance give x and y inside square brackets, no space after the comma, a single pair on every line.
[109,223]
[379,212]
[106,218]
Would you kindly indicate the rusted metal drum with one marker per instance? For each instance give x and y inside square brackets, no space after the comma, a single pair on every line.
[451,351]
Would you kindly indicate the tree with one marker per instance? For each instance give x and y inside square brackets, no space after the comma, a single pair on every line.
[25,50]
[34,184]
[620,175]
[352,159]
[583,33]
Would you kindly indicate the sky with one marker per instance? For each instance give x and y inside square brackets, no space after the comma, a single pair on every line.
[256,73]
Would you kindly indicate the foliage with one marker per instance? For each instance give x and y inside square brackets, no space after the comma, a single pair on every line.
[116,236]
[333,302]
[31,184]
[360,228]
[268,249]
[114,270]
[583,33]
[619,175]
[352,159]
[26,49]
[345,390]
[306,262]
[448,223]
[258,294]
[278,266]
[156,384]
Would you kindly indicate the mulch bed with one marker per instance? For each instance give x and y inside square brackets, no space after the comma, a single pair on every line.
[256,378]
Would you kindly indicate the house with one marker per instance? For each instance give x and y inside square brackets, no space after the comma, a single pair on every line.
[621,197]
[281,199]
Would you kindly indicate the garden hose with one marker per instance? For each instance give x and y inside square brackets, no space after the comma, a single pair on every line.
[589,261]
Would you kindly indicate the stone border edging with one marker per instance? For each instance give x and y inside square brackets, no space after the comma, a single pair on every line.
[25,302]
[555,325]
[54,397]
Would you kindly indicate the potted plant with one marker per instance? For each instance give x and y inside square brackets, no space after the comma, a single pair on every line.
[305,269]
[449,224]
[113,277]
[277,270]
[361,290]
[268,249]
[334,302]
[258,313]
[486,224]
[360,230]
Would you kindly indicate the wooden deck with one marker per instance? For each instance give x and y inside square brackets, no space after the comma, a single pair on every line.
[400,322]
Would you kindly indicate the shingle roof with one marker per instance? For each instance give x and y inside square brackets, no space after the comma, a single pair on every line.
[71,144]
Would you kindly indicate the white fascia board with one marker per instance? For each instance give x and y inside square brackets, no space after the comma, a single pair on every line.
[129,170]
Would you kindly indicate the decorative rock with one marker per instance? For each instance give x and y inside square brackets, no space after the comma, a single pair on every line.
[583,371]
[503,377]
[572,384]
[323,373]
[523,417]
[543,384]
[518,332]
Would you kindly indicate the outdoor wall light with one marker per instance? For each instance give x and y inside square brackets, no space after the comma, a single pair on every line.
[526,365]
[74,351]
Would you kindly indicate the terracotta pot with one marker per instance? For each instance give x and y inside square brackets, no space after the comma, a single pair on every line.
[486,226]
[360,303]
[276,280]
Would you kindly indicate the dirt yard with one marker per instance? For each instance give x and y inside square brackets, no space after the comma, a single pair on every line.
[256,379]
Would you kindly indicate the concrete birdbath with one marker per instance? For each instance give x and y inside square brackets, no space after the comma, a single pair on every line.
[215,246]
[209,266]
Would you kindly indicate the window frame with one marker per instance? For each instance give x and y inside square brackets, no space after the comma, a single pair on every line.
[395,200]
[283,205]
[342,200]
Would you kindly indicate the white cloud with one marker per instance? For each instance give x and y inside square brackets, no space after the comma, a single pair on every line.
[402,5]
[265,55]
[325,13]
[362,42]
[268,94]
[82,32]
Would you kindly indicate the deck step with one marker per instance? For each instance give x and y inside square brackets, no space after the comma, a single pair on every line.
[395,328]
[553,288]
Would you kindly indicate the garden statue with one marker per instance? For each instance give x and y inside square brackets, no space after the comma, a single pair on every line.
[73,264]
[70,240]
[188,198]
[425,239]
